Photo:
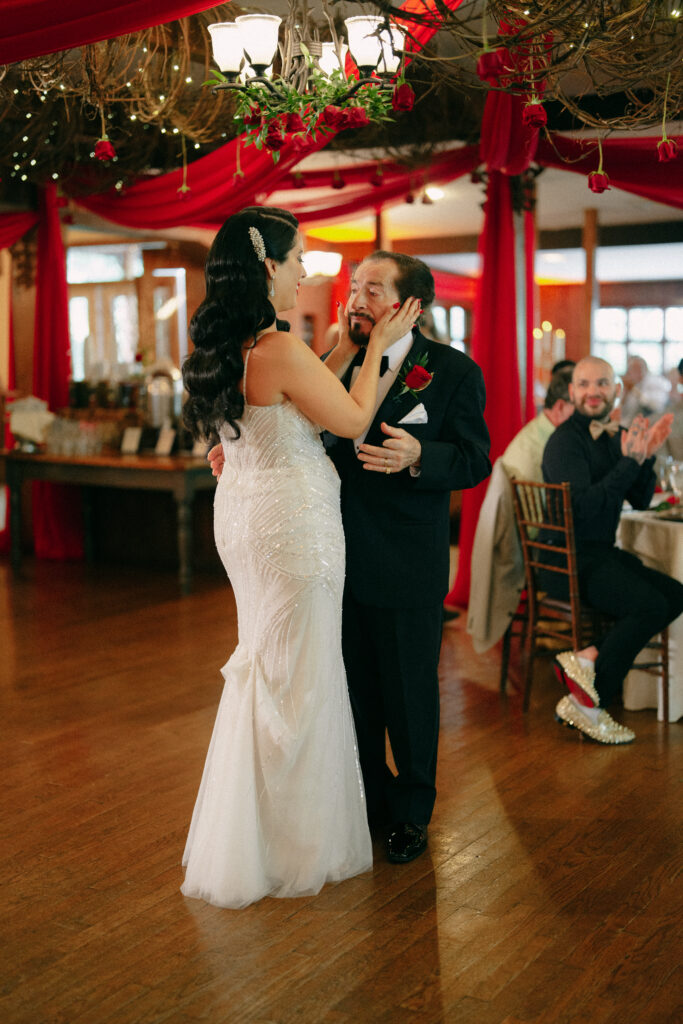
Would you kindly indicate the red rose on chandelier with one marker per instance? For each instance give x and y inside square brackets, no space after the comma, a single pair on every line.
[355,117]
[275,138]
[295,123]
[253,118]
[402,98]
[333,116]
[667,149]
[534,115]
[490,66]
[417,378]
[598,182]
[104,150]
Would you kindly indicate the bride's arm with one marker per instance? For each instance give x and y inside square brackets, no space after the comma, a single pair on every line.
[338,359]
[285,363]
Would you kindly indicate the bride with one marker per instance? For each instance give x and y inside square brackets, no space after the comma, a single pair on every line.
[281,808]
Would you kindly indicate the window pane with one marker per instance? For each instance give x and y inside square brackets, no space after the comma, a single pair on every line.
[673,354]
[124,312]
[458,321]
[610,324]
[673,323]
[651,353]
[613,352]
[79,330]
[440,317]
[646,324]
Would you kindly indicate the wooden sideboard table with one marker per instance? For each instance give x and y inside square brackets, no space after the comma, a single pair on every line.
[182,475]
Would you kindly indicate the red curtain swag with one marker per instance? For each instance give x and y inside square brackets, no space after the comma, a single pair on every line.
[57,518]
[494,348]
[31,28]
[631,164]
[216,190]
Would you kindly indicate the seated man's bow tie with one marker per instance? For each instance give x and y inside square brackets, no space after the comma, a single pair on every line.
[597,427]
[359,359]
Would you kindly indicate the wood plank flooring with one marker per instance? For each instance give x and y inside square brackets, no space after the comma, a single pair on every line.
[551,891]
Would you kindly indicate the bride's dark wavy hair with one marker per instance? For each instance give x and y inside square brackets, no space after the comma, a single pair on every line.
[235,309]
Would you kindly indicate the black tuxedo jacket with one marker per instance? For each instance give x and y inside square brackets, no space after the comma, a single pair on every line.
[397,526]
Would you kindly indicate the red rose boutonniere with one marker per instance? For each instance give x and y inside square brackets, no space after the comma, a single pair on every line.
[414,378]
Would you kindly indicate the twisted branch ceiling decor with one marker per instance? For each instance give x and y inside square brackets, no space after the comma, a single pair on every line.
[143,92]
[601,65]
[610,65]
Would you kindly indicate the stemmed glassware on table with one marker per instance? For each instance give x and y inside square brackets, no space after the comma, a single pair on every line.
[676,479]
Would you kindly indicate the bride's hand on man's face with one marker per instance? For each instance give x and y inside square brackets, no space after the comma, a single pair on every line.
[216,459]
[395,323]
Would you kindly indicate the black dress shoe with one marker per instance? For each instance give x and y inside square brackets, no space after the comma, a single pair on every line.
[405,842]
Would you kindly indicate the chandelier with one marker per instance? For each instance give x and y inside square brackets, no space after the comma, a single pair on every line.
[289,82]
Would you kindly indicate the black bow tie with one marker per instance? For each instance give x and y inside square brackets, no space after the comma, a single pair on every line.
[360,358]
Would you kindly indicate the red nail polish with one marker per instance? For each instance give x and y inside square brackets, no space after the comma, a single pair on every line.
[397,305]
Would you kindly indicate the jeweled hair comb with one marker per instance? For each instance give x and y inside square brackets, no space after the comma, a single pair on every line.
[258,243]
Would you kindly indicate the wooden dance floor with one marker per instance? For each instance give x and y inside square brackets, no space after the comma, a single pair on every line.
[550,893]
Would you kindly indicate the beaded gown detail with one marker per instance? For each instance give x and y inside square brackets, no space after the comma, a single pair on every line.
[281,807]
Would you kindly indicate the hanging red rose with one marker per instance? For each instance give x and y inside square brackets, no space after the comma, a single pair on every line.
[295,123]
[403,97]
[490,66]
[667,149]
[355,117]
[275,138]
[333,116]
[417,378]
[104,150]
[534,115]
[598,182]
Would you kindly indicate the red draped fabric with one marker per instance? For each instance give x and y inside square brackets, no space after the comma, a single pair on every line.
[360,194]
[530,296]
[631,164]
[453,289]
[7,437]
[215,190]
[494,348]
[14,225]
[57,521]
[34,27]
[507,144]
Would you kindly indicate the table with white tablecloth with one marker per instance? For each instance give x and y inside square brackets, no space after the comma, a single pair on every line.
[659,544]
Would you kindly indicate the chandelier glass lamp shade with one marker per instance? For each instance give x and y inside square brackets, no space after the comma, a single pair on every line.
[310,89]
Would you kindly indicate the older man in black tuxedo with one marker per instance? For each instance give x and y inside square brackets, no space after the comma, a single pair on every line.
[427,438]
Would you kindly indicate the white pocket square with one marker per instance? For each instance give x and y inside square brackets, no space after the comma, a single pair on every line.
[416,415]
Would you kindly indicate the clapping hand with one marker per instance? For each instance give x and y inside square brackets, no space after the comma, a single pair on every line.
[641,440]
[659,432]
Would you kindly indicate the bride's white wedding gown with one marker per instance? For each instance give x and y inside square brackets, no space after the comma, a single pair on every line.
[281,808]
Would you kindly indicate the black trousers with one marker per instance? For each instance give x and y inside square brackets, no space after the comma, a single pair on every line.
[391,657]
[642,600]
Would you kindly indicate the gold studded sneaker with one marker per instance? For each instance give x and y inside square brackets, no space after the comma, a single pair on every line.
[577,678]
[604,730]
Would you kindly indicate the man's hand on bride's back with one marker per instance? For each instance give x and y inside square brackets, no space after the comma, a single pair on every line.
[216,459]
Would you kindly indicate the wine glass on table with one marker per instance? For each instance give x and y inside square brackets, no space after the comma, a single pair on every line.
[676,479]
